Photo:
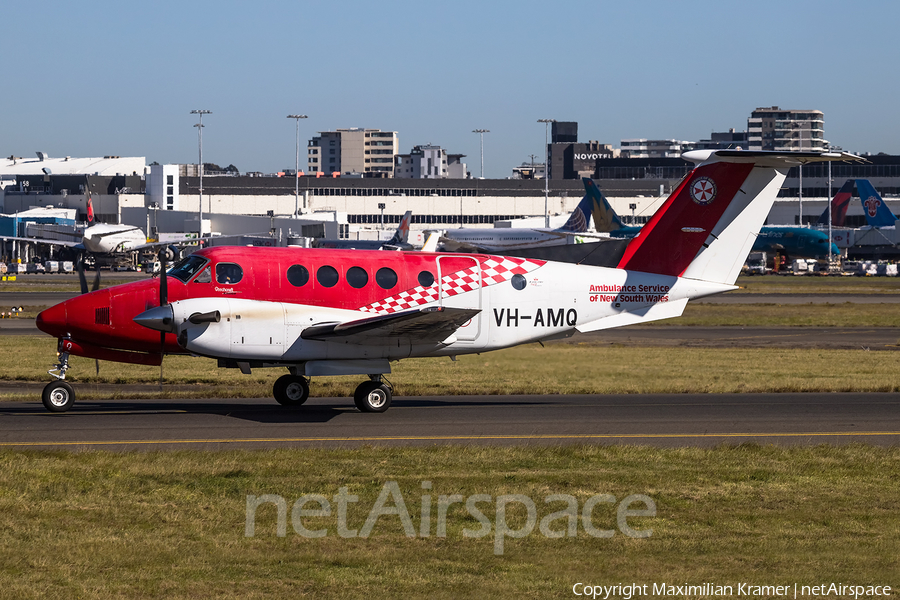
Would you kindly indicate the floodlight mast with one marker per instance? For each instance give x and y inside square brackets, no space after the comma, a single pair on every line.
[199,126]
[830,238]
[297,166]
[546,123]
[481,132]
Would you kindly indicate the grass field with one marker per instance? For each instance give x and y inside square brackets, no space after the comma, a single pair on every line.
[95,524]
[530,369]
[173,525]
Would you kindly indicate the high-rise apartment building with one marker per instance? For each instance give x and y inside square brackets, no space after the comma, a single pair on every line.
[367,151]
[643,148]
[423,162]
[782,130]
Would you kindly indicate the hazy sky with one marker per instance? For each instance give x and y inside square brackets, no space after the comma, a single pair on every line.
[102,77]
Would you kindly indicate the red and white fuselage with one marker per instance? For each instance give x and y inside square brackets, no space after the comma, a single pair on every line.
[337,312]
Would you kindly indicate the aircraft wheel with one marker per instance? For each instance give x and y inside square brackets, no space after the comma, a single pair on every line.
[58,396]
[372,396]
[291,390]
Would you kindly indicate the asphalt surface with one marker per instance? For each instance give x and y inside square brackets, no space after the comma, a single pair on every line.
[658,420]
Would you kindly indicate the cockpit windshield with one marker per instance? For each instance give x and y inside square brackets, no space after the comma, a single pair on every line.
[187,268]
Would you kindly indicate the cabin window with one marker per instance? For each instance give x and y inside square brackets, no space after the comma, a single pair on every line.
[327,276]
[518,281]
[386,278]
[426,278]
[297,275]
[187,268]
[204,277]
[229,273]
[357,277]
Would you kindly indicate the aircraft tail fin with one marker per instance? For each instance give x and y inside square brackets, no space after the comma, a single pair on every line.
[579,220]
[706,228]
[839,205]
[401,236]
[595,207]
[876,211]
[431,242]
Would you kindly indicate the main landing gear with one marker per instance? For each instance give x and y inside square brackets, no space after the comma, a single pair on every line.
[58,396]
[291,390]
[371,396]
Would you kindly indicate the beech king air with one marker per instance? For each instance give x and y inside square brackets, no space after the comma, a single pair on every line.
[352,312]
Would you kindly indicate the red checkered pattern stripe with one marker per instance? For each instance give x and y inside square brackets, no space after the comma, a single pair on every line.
[494,270]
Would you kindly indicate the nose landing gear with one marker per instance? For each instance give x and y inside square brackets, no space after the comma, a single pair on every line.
[58,396]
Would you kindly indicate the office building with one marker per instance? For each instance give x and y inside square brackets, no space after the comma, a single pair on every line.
[369,152]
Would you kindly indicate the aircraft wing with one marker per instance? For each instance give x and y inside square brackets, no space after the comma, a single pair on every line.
[451,245]
[69,244]
[430,325]
[189,241]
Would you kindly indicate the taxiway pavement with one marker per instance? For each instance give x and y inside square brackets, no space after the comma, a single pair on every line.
[658,420]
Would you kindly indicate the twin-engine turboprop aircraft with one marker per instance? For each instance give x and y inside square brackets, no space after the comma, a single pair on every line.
[352,312]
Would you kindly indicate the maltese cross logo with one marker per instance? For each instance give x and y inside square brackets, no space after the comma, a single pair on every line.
[703,191]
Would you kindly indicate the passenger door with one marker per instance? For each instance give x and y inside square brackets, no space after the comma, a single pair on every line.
[459,286]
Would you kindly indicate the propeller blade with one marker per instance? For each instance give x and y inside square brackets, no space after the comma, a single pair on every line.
[96,285]
[79,267]
[163,300]
[163,280]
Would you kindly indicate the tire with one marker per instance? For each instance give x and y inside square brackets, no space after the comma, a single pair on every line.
[58,396]
[291,390]
[372,396]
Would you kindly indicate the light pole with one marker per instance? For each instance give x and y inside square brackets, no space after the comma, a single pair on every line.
[199,126]
[481,132]
[297,166]
[830,239]
[546,123]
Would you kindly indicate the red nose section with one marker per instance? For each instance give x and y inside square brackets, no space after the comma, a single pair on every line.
[53,320]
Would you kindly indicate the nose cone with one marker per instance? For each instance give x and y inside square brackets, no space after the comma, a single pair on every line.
[161,318]
[53,320]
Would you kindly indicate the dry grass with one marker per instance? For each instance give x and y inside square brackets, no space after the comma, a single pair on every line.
[172,525]
[531,369]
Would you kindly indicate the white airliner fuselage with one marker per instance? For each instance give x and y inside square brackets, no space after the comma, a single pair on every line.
[106,239]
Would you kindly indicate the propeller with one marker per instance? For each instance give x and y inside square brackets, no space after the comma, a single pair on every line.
[164,254]
[79,267]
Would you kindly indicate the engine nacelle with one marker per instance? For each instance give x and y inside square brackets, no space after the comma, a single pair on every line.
[261,331]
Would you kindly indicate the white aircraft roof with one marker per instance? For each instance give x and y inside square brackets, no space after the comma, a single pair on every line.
[59,213]
[73,166]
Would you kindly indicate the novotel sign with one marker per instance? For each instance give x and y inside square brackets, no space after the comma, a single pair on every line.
[591,156]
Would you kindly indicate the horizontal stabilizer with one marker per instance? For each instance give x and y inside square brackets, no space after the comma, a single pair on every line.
[645,314]
[428,325]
